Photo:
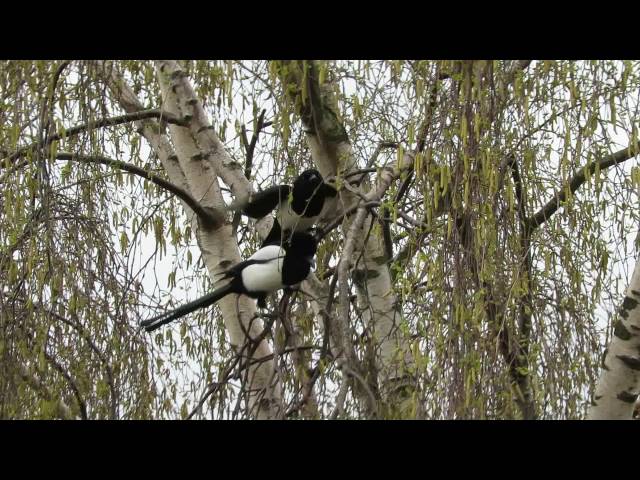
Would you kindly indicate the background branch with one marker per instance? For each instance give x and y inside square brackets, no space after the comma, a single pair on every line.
[210,216]
[105,122]
[578,179]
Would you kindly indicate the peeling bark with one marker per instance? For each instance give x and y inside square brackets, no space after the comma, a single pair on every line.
[331,153]
[192,170]
[619,384]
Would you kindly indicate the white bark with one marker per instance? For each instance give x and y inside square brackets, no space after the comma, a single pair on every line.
[619,383]
[192,170]
[375,293]
[149,129]
[219,247]
[230,171]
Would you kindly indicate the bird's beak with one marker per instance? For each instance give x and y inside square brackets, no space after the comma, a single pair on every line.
[312,262]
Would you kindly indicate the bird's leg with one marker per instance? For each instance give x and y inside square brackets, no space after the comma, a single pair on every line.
[262,301]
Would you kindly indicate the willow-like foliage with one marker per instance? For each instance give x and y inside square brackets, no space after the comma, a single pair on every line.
[509,239]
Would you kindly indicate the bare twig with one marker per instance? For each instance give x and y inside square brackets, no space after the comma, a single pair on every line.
[250,147]
[577,180]
[127,118]
[210,216]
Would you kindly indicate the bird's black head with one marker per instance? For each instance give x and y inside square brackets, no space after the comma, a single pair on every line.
[307,183]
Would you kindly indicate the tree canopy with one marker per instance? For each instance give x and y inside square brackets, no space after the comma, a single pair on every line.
[471,267]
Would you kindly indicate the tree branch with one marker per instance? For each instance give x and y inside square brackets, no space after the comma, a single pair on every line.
[105,122]
[62,409]
[323,232]
[209,216]
[72,384]
[521,372]
[250,147]
[577,180]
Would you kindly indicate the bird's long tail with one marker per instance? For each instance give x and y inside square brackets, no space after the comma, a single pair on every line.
[156,322]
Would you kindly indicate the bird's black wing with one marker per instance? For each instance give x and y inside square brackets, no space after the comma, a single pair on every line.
[265,201]
[236,270]
[275,235]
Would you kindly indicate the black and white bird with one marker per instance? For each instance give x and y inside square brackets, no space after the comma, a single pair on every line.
[272,267]
[298,207]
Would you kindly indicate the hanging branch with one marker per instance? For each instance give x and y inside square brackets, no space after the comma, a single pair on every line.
[210,217]
[577,180]
[520,368]
[105,122]
[250,147]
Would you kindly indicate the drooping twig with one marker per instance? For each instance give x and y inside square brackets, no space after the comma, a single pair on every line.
[211,217]
[577,180]
[105,122]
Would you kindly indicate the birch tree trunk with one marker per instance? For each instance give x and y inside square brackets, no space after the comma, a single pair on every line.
[200,160]
[619,383]
[332,153]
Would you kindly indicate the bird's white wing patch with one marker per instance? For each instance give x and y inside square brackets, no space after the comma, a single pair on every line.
[264,277]
[269,252]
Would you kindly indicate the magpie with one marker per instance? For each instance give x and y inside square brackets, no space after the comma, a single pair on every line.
[271,268]
[298,207]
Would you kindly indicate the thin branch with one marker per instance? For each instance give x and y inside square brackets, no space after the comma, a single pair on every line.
[385,222]
[62,409]
[522,369]
[105,122]
[72,384]
[251,345]
[211,217]
[426,125]
[323,232]
[351,363]
[250,147]
[85,335]
[577,180]
[404,186]
[374,157]
[342,395]
[47,108]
